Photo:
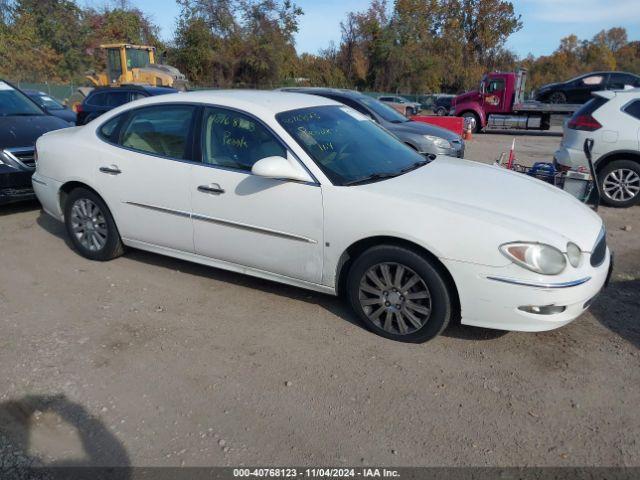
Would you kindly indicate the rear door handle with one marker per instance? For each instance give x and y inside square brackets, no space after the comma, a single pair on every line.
[111,170]
[213,189]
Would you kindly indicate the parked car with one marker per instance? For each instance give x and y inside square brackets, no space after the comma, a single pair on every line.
[52,106]
[307,191]
[101,100]
[21,122]
[422,137]
[402,105]
[442,105]
[578,90]
[612,119]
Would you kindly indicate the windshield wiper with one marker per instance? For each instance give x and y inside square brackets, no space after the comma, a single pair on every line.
[370,178]
[399,121]
[415,166]
[23,114]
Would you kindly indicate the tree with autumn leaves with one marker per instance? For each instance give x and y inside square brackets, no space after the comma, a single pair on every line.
[408,46]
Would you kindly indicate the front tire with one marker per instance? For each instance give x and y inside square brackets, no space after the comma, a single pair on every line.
[399,294]
[91,227]
[476,119]
[557,97]
[620,183]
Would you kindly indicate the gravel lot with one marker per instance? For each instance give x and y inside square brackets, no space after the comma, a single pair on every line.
[147,360]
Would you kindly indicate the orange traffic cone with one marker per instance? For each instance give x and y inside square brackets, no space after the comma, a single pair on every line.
[467,135]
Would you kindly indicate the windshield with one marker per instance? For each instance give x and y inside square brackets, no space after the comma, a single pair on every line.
[385,111]
[347,145]
[137,58]
[47,102]
[13,102]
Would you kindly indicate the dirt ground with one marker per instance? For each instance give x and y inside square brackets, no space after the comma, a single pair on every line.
[147,360]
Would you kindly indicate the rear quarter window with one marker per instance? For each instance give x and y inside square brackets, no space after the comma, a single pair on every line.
[591,106]
[633,109]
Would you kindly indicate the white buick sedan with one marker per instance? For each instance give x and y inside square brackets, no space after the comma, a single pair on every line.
[302,190]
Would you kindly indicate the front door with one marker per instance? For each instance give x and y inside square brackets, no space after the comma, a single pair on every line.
[494,96]
[263,223]
[581,91]
[144,176]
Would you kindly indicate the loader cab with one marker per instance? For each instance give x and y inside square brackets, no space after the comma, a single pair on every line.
[122,59]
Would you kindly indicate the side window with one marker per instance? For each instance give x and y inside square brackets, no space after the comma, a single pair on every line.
[234,140]
[355,105]
[108,129]
[161,130]
[495,85]
[115,99]
[98,100]
[592,80]
[386,99]
[633,109]
[620,81]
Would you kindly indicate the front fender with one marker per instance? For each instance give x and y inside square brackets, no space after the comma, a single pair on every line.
[472,107]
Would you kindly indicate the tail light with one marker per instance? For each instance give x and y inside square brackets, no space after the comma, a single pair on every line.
[77,107]
[584,122]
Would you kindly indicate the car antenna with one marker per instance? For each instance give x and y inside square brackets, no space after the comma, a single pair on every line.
[588,149]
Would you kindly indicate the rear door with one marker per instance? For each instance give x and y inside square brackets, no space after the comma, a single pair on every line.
[144,174]
[633,110]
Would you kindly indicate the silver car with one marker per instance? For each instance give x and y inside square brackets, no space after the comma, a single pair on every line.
[425,138]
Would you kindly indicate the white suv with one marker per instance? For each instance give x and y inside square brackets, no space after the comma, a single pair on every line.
[612,120]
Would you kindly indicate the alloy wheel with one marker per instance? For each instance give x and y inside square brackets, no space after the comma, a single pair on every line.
[621,185]
[89,224]
[395,298]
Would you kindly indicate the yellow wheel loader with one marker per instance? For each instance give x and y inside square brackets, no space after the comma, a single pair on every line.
[128,64]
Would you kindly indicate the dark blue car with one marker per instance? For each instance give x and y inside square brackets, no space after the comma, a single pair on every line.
[103,99]
[51,105]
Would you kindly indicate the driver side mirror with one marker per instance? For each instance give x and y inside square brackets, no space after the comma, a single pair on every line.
[280,168]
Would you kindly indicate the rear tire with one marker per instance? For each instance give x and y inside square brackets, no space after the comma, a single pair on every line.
[399,294]
[620,183]
[91,227]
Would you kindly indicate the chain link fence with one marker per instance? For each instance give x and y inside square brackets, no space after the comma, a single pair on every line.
[63,92]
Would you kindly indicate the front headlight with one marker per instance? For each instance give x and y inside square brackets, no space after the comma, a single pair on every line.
[537,257]
[437,141]
[574,254]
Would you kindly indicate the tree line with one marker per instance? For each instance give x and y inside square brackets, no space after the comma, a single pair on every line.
[408,46]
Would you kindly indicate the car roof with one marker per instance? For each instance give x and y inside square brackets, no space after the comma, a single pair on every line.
[256,101]
[609,94]
[343,92]
[147,88]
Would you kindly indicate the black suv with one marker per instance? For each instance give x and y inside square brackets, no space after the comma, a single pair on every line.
[103,99]
[22,121]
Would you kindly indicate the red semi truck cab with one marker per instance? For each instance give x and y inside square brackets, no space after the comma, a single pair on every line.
[499,103]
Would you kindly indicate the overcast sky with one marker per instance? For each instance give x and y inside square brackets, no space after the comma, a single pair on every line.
[545,21]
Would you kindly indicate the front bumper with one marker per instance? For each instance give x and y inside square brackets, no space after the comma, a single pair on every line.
[489,303]
[15,185]
[456,151]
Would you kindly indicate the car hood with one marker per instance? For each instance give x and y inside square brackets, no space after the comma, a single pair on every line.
[529,209]
[465,97]
[421,128]
[549,86]
[16,131]
[66,114]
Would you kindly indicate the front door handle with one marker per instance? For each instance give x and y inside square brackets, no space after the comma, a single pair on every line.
[213,189]
[111,170]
